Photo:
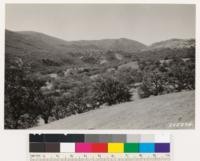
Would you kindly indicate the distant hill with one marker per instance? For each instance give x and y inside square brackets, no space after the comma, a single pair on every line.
[42,51]
[173,44]
[35,48]
[183,48]
[122,44]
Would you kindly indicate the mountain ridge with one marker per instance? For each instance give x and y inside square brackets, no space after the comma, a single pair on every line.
[38,48]
[101,43]
[33,33]
[173,43]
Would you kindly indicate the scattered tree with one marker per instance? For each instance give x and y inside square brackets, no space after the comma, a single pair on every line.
[111,91]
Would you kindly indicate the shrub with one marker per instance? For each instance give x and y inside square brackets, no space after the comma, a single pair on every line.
[46,106]
[129,76]
[176,75]
[144,90]
[181,74]
[111,91]
[153,84]
[21,98]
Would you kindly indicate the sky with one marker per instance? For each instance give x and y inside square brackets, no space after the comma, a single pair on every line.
[141,22]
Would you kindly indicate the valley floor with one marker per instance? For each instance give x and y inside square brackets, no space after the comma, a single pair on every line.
[156,112]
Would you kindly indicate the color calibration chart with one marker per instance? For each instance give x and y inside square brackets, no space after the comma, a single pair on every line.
[99,147]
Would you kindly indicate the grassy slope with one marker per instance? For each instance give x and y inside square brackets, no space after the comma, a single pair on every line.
[33,48]
[151,113]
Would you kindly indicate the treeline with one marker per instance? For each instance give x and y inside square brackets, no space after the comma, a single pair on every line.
[172,75]
[26,103]
[168,53]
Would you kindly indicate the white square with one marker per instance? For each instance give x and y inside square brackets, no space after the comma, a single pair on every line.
[67,147]
[147,138]
[162,138]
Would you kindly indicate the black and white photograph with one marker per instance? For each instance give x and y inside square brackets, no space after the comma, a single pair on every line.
[99,66]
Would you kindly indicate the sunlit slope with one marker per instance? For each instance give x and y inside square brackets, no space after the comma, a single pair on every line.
[156,112]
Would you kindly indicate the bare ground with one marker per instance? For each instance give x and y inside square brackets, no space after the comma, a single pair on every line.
[157,112]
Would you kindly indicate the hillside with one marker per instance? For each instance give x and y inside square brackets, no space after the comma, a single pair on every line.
[152,113]
[183,48]
[33,48]
[122,44]
[173,44]
[41,51]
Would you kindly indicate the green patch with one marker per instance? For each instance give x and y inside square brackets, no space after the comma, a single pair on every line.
[131,147]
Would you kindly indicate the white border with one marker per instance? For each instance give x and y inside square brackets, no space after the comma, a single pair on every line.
[186,142]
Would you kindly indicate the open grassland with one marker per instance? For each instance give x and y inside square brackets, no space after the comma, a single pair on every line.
[156,112]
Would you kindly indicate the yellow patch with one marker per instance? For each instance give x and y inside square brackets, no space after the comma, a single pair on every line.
[115,147]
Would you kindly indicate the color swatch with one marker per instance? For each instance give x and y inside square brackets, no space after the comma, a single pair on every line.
[131,147]
[115,147]
[98,143]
